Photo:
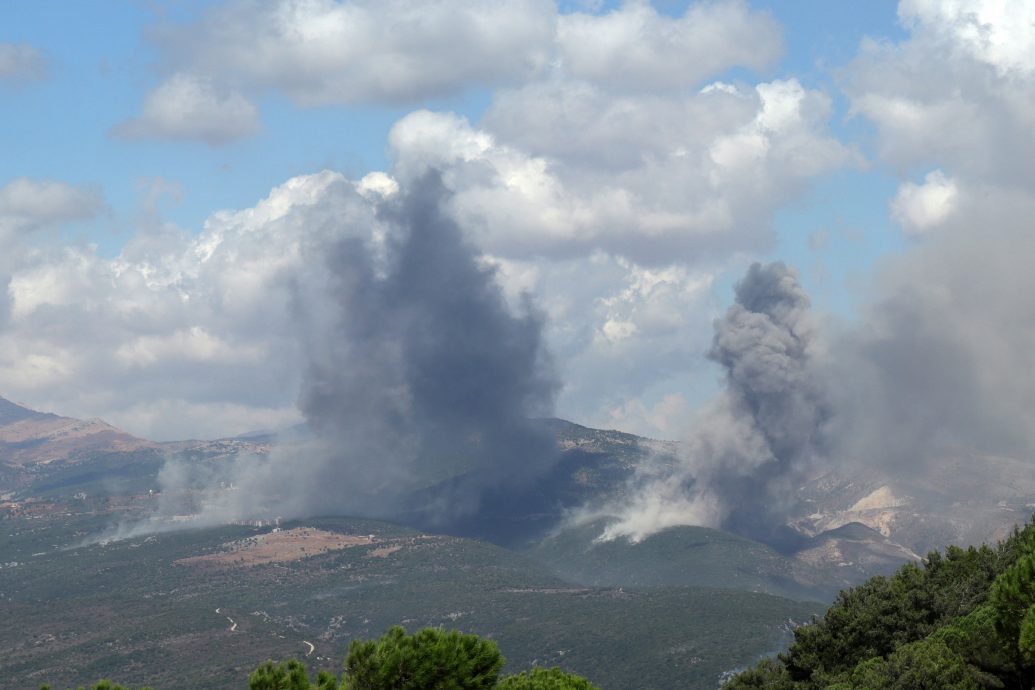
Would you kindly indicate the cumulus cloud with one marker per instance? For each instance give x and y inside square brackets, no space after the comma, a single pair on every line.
[564,169]
[921,207]
[21,63]
[187,107]
[29,205]
[196,324]
[998,33]
[957,94]
[614,195]
[634,47]
[322,52]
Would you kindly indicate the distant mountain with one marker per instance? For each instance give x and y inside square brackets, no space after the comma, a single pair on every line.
[849,524]
[47,456]
[960,498]
[29,437]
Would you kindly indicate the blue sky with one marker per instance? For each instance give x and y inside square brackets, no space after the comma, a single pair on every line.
[60,128]
[830,193]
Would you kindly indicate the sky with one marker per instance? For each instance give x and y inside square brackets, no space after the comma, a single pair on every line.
[618,165]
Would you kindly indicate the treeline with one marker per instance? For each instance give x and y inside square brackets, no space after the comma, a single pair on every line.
[430,659]
[962,620]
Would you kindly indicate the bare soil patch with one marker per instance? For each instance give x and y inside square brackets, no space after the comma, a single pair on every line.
[278,547]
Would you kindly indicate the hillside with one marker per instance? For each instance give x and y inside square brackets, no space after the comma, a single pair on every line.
[963,620]
[201,608]
[28,437]
[678,556]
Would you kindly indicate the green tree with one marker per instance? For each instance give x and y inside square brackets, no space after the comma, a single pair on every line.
[429,658]
[545,679]
[923,665]
[288,675]
[1012,597]
[768,674]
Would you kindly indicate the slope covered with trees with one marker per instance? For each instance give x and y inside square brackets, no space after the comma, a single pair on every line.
[961,620]
[430,659]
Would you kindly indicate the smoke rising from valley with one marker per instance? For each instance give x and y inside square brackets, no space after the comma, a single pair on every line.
[760,435]
[939,365]
[417,370]
[419,383]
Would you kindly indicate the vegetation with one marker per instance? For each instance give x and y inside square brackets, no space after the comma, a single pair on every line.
[101,685]
[134,611]
[430,659]
[545,679]
[677,556]
[962,620]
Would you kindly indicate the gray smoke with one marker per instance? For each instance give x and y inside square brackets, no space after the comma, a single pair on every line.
[766,343]
[940,364]
[944,357]
[419,382]
[755,439]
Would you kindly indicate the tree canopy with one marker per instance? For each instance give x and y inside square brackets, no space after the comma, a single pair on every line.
[961,620]
[430,659]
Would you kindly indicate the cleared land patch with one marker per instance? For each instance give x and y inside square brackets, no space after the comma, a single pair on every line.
[278,547]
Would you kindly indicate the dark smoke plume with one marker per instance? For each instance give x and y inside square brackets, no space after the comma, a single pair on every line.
[759,436]
[419,384]
[938,367]
[766,344]
[420,379]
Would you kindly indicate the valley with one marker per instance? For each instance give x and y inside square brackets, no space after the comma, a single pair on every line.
[201,607]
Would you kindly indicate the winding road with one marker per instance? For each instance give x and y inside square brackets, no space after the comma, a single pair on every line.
[312,647]
[233,625]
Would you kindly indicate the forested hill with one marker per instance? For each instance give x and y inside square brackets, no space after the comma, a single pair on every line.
[962,620]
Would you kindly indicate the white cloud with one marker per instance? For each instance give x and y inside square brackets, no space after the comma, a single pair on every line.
[603,180]
[623,336]
[920,207]
[637,48]
[957,94]
[188,107]
[28,204]
[322,51]
[1000,33]
[21,63]
[562,169]
[179,334]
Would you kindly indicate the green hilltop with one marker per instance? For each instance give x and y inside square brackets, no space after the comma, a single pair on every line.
[962,620]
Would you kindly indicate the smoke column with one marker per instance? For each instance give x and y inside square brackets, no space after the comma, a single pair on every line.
[419,382]
[754,439]
[937,365]
[418,372]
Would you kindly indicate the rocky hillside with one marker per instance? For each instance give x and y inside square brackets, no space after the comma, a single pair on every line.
[30,437]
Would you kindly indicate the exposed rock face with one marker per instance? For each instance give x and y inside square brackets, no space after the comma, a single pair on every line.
[963,498]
